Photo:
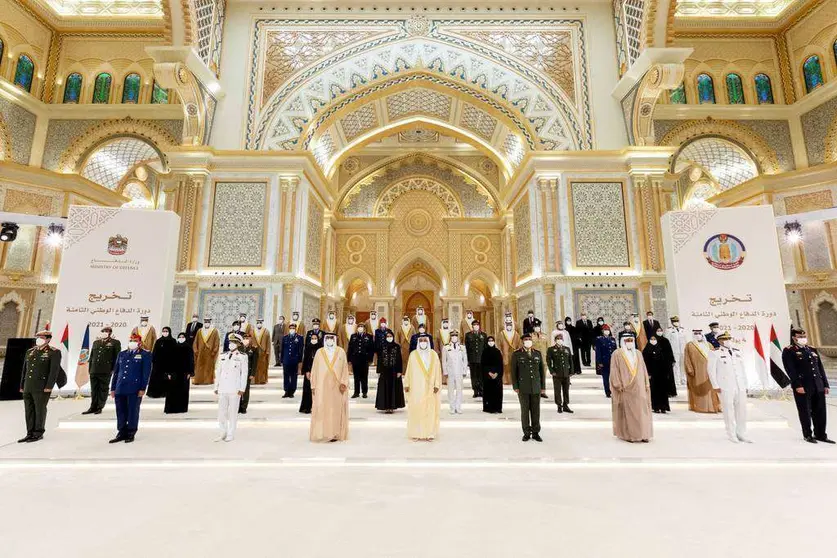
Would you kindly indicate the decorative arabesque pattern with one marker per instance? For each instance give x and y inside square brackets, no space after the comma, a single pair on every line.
[419,101]
[731,9]
[359,122]
[209,26]
[177,319]
[224,306]
[314,244]
[481,71]
[384,205]
[110,9]
[239,208]
[686,224]
[728,163]
[523,236]
[628,18]
[478,121]
[601,238]
[109,163]
[310,309]
[615,306]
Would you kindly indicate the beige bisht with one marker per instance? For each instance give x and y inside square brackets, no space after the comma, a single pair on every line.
[509,343]
[631,399]
[262,337]
[346,331]
[403,335]
[329,389]
[206,347]
[148,335]
[702,398]
[423,382]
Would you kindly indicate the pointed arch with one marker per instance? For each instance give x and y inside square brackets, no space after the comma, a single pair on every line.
[485,275]
[423,255]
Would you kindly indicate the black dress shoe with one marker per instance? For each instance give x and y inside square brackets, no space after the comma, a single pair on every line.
[543,396]
[24,439]
[129,439]
[88,412]
[116,440]
[537,437]
[35,438]
[568,410]
[810,439]
[526,437]
[826,440]
[560,410]
[355,396]
[365,396]
[97,412]
[242,411]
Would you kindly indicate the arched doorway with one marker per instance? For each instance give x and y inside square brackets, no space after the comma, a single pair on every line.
[481,303]
[418,284]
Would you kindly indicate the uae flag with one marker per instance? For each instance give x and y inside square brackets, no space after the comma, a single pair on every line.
[82,371]
[761,362]
[777,371]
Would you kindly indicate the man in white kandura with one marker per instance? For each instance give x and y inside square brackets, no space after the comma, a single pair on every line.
[455,367]
[729,378]
[230,383]
[678,338]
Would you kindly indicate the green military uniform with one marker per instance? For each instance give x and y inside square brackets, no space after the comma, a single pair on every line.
[252,352]
[40,372]
[102,359]
[559,360]
[475,344]
[529,379]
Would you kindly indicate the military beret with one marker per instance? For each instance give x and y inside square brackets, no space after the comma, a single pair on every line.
[135,337]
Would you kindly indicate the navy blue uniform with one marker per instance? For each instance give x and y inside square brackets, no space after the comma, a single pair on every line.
[605,345]
[292,352]
[710,338]
[130,376]
[805,370]
[360,353]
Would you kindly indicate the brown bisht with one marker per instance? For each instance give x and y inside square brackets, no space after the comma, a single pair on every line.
[262,337]
[702,398]
[631,397]
[206,347]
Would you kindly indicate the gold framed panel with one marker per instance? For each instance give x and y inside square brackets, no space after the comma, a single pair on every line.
[211,224]
[625,216]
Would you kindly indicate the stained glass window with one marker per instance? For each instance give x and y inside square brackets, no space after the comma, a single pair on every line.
[764,91]
[101,89]
[159,96]
[72,89]
[735,89]
[24,72]
[678,96]
[706,89]
[131,89]
[812,70]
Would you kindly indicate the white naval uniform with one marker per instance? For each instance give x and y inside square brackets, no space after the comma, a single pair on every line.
[678,339]
[727,372]
[230,378]
[455,367]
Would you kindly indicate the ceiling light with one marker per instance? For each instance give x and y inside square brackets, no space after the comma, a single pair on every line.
[793,232]
[55,236]
[8,232]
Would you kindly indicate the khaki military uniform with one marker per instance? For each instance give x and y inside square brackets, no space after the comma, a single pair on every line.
[103,355]
[528,379]
[559,360]
[40,372]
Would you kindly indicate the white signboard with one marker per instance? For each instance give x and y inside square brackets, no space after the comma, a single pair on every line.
[723,265]
[117,265]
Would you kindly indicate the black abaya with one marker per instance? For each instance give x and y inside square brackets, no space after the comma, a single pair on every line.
[576,343]
[162,364]
[177,392]
[390,386]
[307,364]
[659,372]
[492,391]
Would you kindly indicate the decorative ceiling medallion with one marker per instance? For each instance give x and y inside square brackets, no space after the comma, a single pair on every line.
[418,135]
[418,222]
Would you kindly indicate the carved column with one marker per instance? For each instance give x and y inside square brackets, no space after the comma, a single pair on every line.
[186,202]
[545,195]
[549,307]
[287,222]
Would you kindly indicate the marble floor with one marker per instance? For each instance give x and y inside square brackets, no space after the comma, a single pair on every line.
[476,491]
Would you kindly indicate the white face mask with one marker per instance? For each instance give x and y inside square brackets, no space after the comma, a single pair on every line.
[103,335]
[331,316]
[629,346]
[698,337]
[373,316]
[314,341]
[560,326]
[537,329]
[234,347]
[491,343]
[181,339]
[559,342]
[292,332]
[316,327]
[653,341]
[207,325]
[165,334]
[360,330]
[423,345]
[726,344]
[801,341]
[531,316]
[716,330]
[40,342]
[675,324]
[143,324]
[454,339]
[600,322]
[527,344]
[133,345]
[390,339]
[329,342]
[659,334]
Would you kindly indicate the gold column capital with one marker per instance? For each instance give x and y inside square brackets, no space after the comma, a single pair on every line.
[289,183]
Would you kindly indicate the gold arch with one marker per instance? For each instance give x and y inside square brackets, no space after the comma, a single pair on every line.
[76,154]
[765,158]
[397,183]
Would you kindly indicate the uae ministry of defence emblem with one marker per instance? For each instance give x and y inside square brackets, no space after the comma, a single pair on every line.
[724,251]
[117,245]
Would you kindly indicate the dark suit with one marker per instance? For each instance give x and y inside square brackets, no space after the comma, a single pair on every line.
[710,338]
[650,328]
[529,325]
[192,331]
[278,335]
[584,330]
[805,370]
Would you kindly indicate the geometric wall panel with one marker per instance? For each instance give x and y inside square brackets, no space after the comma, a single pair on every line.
[523,235]
[225,305]
[598,218]
[615,306]
[313,247]
[238,224]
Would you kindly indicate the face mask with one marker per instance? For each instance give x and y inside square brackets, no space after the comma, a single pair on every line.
[537,329]
[243,320]
[653,341]
[559,341]
[420,312]
[181,339]
[194,319]
[659,334]
[390,339]
[234,347]
[144,324]
[133,345]
[165,334]
[454,339]
[40,342]
[600,322]
[360,330]
[314,340]
[331,316]
[423,345]
[373,316]
[293,332]
[560,326]
[491,343]
[531,316]
[801,341]
[675,324]
[236,328]
[698,337]
[103,335]
[527,344]
[383,327]
[329,342]
[726,344]
[316,327]
[716,330]
[629,346]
